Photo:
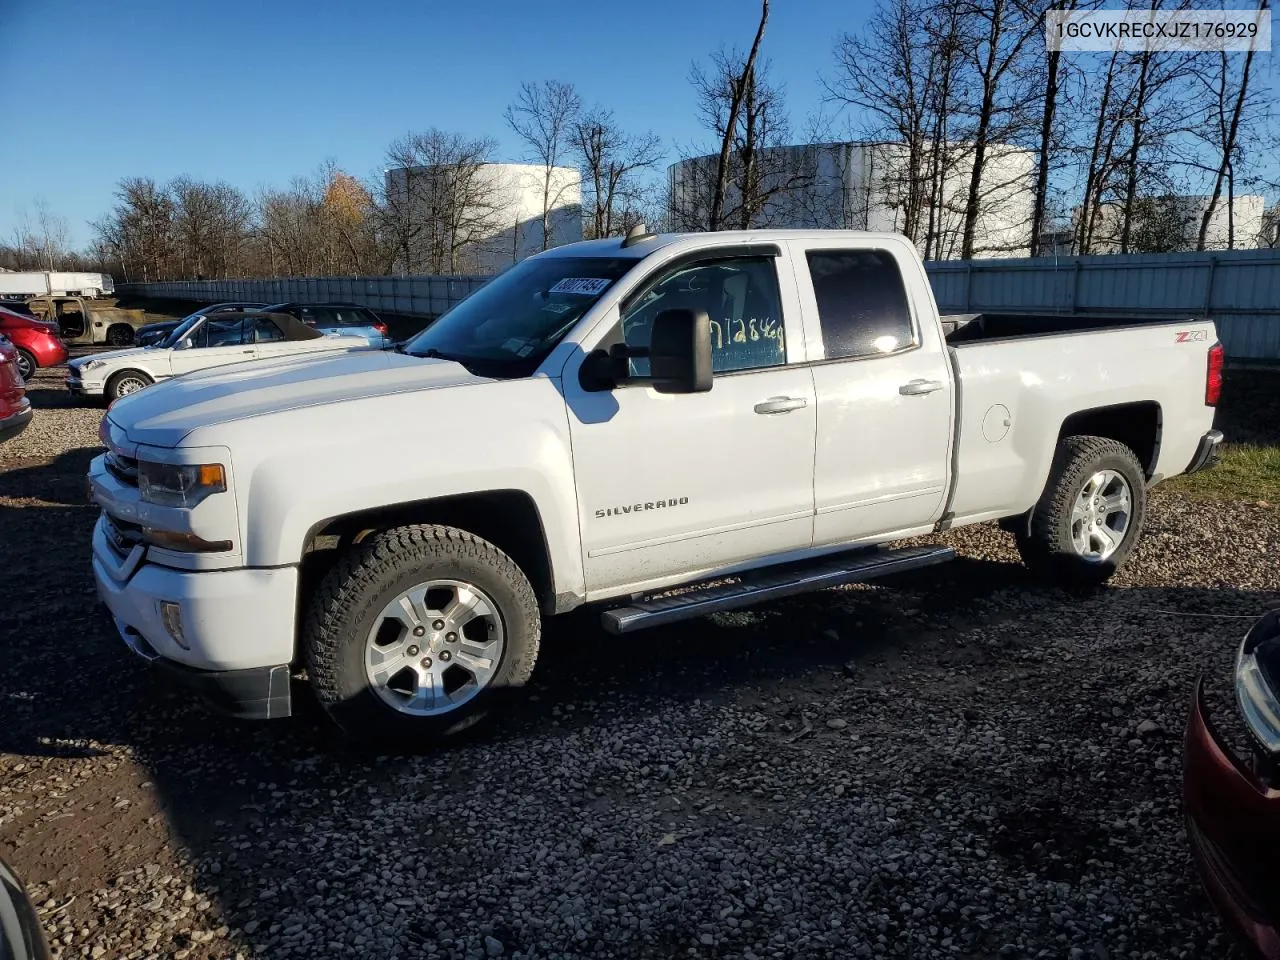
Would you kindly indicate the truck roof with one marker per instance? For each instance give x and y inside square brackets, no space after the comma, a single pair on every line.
[612,246]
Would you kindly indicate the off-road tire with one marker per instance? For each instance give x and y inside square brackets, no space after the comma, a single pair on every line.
[1046,547]
[353,593]
[112,390]
[28,360]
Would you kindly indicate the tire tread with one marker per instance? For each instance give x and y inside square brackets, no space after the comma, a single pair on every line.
[370,564]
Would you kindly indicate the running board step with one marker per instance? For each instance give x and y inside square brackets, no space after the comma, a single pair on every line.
[770,584]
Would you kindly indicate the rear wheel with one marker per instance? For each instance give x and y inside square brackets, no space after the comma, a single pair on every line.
[27,365]
[120,335]
[126,382]
[418,633]
[1090,516]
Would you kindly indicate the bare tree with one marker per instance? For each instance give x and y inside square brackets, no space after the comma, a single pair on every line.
[611,162]
[750,183]
[211,222]
[141,228]
[1002,30]
[727,87]
[41,239]
[1231,116]
[441,202]
[544,117]
[886,73]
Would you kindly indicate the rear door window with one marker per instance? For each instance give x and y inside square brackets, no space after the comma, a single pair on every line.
[862,303]
[266,331]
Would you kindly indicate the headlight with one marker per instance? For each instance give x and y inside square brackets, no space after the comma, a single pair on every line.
[1258,698]
[92,364]
[173,486]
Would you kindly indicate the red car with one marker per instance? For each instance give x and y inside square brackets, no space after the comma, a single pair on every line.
[37,341]
[15,407]
[1231,798]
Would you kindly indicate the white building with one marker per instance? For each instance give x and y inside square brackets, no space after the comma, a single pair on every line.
[483,219]
[1173,223]
[865,186]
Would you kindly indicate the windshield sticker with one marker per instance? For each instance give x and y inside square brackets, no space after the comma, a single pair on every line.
[559,309]
[585,286]
[514,344]
[525,350]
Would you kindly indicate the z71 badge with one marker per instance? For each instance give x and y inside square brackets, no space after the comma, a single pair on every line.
[1190,336]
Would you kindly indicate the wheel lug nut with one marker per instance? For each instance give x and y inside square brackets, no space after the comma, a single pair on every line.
[444,656]
[412,651]
[451,637]
[426,662]
[419,631]
[438,625]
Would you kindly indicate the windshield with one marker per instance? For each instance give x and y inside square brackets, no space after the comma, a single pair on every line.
[185,326]
[509,325]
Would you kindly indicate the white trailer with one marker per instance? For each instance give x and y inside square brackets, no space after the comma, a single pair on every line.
[56,283]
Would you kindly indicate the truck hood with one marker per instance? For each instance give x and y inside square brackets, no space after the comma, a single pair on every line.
[162,415]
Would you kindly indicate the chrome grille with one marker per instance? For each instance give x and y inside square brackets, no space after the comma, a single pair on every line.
[122,535]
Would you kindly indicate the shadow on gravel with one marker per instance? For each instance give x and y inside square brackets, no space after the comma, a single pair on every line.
[70,691]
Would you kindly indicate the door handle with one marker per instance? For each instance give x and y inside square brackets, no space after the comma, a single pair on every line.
[247,351]
[781,404]
[916,388]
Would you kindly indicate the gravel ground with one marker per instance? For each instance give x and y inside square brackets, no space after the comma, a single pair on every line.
[957,764]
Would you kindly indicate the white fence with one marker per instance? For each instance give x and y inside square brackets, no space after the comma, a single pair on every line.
[1239,289]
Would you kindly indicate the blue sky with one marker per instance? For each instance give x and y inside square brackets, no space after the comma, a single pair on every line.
[257,91]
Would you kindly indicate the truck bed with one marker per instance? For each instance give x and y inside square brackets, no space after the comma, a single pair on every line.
[964,328]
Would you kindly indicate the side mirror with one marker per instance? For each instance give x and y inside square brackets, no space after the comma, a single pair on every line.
[679,355]
[680,352]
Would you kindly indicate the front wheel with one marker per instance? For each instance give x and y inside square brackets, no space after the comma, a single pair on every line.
[1090,515]
[126,382]
[417,633]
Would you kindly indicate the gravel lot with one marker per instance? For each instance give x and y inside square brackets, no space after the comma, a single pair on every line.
[960,764]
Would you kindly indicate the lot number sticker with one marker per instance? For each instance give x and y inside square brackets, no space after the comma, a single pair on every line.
[585,286]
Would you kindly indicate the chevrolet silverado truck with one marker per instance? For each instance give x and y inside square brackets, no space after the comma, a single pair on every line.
[658,426]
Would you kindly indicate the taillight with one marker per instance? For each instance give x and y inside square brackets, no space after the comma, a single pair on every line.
[1213,377]
[380,327]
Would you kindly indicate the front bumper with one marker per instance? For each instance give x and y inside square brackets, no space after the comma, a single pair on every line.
[15,423]
[1206,454]
[1233,826]
[237,626]
[77,386]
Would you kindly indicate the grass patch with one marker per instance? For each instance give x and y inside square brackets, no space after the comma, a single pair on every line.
[1246,472]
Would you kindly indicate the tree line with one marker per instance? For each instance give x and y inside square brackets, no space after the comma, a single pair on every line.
[1126,152]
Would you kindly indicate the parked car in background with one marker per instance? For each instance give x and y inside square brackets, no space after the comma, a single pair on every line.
[749,414]
[1231,799]
[204,341]
[80,322]
[339,320]
[158,332]
[15,405]
[36,341]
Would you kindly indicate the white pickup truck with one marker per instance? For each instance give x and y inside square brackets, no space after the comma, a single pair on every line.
[743,415]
